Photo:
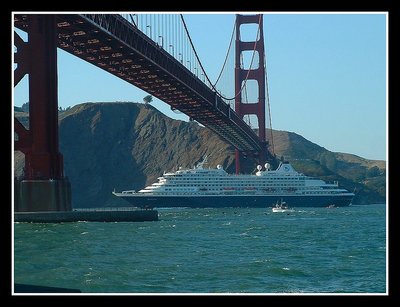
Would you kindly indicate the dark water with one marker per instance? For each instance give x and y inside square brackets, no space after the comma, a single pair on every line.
[229,250]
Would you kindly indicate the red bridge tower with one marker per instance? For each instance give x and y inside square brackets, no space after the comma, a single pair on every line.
[44,187]
[241,74]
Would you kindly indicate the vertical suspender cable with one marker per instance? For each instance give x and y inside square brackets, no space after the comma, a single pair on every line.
[208,79]
[268,104]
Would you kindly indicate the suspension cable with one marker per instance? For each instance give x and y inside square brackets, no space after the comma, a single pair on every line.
[227,53]
[268,104]
[132,20]
[201,65]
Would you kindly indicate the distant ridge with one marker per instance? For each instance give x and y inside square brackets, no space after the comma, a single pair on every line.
[126,145]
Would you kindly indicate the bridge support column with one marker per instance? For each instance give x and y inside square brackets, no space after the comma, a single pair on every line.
[258,74]
[44,187]
[237,161]
[42,195]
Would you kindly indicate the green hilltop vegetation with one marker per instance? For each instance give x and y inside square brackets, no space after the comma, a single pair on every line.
[125,146]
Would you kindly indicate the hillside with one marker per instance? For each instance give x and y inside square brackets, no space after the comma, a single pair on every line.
[125,146]
[366,177]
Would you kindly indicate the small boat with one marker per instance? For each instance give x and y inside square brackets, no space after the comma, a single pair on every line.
[281,206]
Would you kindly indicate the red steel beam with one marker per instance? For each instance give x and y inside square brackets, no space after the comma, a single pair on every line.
[43,160]
[21,58]
[24,142]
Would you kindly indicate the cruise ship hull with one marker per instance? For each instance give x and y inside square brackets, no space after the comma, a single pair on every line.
[257,201]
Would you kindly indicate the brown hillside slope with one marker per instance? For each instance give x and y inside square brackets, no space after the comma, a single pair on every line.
[125,146]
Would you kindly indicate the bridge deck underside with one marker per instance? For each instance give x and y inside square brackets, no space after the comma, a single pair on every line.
[113,44]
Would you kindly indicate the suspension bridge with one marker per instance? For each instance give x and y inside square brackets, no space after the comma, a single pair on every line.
[153,52]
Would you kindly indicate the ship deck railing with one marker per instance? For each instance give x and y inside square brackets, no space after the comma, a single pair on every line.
[106,209]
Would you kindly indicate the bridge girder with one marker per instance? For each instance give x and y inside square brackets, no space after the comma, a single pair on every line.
[113,44]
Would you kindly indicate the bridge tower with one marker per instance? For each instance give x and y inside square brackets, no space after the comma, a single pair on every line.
[258,74]
[44,187]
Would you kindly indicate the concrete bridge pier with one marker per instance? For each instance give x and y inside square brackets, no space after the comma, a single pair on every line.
[42,195]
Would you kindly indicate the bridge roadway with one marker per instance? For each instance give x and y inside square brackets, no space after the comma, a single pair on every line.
[112,43]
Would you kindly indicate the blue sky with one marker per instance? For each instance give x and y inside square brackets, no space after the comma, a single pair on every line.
[326,74]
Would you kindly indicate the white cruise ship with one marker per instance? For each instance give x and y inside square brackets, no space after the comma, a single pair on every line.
[201,187]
